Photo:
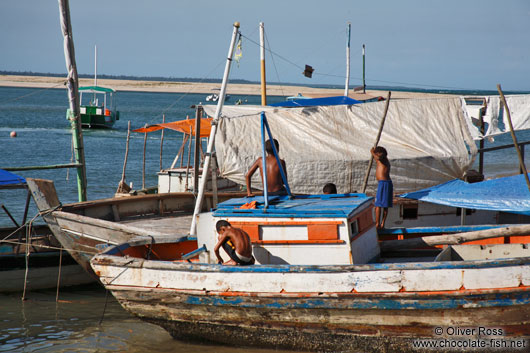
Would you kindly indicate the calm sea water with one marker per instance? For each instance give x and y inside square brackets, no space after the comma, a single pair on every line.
[44,138]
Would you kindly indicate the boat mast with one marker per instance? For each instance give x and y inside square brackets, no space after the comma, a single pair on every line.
[72,83]
[347,85]
[96,73]
[364,82]
[262,57]
[211,141]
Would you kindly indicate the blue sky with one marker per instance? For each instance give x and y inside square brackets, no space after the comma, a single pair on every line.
[459,44]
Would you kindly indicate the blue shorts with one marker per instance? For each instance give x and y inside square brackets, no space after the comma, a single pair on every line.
[385,193]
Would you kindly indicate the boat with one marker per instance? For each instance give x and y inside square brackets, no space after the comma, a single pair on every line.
[183,177]
[214,97]
[97,104]
[87,228]
[30,256]
[320,282]
[97,107]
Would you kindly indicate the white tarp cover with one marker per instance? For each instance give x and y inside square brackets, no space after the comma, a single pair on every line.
[428,142]
[519,106]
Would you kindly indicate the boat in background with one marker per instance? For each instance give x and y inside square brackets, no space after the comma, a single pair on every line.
[97,109]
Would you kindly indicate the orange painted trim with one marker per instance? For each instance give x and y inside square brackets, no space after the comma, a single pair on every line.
[285,223]
[316,241]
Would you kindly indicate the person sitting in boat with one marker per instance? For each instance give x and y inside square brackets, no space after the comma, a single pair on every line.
[275,184]
[385,188]
[329,188]
[235,242]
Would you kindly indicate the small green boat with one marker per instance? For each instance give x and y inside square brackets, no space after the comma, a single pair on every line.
[97,107]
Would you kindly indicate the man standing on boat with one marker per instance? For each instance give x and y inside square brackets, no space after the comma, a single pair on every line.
[274,178]
[235,242]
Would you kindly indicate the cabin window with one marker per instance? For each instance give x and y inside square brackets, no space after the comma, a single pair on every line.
[354,229]
[409,211]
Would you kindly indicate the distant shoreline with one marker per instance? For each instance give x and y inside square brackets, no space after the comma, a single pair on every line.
[203,87]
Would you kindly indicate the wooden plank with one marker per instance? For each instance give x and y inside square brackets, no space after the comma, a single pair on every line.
[458,238]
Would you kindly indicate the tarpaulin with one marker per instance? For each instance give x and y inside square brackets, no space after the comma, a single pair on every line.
[427,140]
[311,102]
[508,194]
[184,126]
[8,178]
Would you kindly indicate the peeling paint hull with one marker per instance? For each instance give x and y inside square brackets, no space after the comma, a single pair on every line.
[250,306]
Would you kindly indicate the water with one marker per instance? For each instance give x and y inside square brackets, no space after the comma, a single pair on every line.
[44,138]
[82,322]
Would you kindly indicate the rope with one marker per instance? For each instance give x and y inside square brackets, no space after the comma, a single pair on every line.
[59,275]
[274,64]
[32,93]
[27,263]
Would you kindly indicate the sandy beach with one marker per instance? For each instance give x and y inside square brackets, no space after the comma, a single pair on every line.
[201,87]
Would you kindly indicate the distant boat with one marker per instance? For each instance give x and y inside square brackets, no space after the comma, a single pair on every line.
[97,110]
[214,97]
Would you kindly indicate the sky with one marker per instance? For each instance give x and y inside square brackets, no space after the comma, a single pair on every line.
[449,44]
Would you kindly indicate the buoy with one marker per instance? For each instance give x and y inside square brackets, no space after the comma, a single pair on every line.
[13,134]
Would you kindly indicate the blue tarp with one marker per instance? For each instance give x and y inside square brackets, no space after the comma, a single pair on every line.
[7,178]
[509,194]
[339,100]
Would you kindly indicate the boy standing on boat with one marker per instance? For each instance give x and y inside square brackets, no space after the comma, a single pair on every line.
[235,242]
[274,178]
[385,189]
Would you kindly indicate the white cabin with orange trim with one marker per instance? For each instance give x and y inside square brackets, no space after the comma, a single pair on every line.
[310,229]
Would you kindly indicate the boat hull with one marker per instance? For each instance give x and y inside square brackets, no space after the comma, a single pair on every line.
[376,308]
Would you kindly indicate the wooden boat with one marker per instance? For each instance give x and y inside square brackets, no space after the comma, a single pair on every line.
[97,109]
[86,228]
[320,283]
[29,253]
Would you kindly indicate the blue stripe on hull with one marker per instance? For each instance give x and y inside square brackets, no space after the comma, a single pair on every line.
[367,302]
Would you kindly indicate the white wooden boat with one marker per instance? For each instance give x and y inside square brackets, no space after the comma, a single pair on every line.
[319,284]
[86,228]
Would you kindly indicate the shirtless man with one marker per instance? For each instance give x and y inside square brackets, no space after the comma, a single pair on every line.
[274,178]
[385,189]
[235,242]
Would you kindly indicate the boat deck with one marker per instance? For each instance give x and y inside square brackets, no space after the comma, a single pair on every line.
[171,225]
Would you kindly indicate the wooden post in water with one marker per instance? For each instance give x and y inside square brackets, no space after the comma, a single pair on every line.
[196,162]
[189,161]
[162,140]
[376,142]
[262,62]
[143,161]
[122,186]
[516,145]
[73,98]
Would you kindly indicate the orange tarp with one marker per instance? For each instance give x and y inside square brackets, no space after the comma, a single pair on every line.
[184,126]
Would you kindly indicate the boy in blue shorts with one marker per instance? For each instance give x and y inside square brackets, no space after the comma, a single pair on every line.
[385,189]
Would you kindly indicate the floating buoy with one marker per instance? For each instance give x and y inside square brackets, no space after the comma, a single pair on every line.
[13,134]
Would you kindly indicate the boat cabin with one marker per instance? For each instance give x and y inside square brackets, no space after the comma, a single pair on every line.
[312,229]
